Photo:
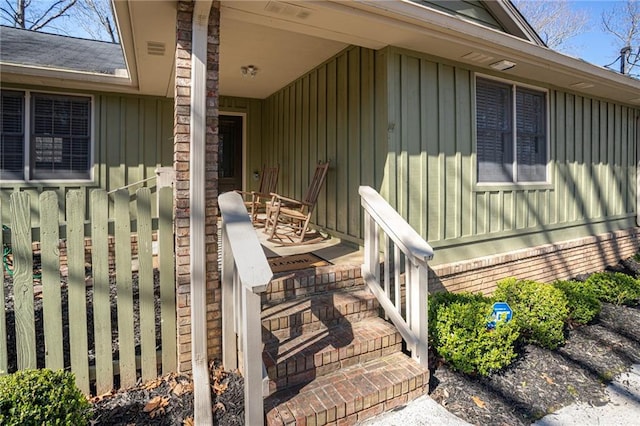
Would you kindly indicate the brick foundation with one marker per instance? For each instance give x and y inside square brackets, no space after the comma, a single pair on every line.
[543,263]
[182,153]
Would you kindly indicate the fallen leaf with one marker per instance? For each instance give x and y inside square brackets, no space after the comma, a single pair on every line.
[446,393]
[220,388]
[219,406]
[480,403]
[188,422]
[155,404]
[181,388]
[548,379]
[152,384]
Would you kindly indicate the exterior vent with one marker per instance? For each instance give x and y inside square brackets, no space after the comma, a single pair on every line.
[155,48]
[478,58]
[581,85]
[286,9]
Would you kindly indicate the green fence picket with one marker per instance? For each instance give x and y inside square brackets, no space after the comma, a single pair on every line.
[51,297]
[126,339]
[145,286]
[4,360]
[23,280]
[167,280]
[101,291]
[77,290]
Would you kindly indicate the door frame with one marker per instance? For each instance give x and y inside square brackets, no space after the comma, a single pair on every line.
[244,142]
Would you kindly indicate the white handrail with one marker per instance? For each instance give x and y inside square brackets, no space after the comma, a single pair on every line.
[245,274]
[395,226]
[410,317]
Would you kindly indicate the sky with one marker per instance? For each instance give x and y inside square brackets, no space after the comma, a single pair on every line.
[595,45]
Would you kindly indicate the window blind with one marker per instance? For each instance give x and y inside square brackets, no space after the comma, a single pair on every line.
[60,140]
[11,135]
[494,131]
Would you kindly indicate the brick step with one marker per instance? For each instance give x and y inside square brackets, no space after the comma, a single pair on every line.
[319,311]
[350,395]
[291,285]
[295,359]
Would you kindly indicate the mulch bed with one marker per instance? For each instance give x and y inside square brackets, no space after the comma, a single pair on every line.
[169,401]
[542,381]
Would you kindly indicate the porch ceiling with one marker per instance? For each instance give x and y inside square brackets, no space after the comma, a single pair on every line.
[283,40]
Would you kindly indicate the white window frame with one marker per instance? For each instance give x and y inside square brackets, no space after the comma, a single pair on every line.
[27,137]
[514,183]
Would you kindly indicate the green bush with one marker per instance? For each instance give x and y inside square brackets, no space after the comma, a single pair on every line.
[540,310]
[582,301]
[440,299]
[458,331]
[42,397]
[616,287]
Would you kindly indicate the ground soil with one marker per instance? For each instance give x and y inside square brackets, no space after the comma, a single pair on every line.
[539,382]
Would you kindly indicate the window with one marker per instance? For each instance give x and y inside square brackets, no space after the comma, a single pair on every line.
[44,136]
[511,123]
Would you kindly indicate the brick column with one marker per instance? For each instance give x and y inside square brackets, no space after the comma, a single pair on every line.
[182,152]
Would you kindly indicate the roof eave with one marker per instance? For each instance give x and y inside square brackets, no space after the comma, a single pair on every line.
[42,76]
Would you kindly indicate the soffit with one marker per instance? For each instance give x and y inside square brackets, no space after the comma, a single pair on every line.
[379,23]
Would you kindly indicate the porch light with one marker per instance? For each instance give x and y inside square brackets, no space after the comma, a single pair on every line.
[502,65]
[249,71]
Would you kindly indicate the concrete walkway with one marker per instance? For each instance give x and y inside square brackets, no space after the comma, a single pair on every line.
[623,409]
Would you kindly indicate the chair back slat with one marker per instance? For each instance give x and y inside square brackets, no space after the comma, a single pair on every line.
[316,184]
[268,180]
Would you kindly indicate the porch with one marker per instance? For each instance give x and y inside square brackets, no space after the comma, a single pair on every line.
[335,338]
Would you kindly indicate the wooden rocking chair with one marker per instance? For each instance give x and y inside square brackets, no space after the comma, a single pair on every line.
[287,220]
[256,201]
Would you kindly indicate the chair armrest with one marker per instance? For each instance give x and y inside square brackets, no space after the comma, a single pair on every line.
[287,200]
[256,194]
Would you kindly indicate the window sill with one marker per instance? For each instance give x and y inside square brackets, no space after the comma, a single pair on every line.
[47,182]
[511,186]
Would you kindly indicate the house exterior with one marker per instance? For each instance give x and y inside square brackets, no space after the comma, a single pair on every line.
[507,157]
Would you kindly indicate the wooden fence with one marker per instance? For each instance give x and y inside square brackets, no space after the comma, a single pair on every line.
[92,297]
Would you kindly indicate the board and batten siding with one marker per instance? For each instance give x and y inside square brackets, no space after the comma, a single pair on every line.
[133,135]
[327,114]
[430,171]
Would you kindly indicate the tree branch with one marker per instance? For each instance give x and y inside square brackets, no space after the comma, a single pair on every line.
[36,26]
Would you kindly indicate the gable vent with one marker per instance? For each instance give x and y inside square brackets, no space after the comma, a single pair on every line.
[478,58]
[155,48]
[287,9]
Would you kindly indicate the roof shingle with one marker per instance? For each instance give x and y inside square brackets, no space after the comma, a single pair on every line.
[24,47]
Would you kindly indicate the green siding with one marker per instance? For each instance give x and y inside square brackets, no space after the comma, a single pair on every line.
[403,123]
[133,135]
[327,114]
[430,170]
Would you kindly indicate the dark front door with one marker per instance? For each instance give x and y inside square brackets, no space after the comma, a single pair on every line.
[230,153]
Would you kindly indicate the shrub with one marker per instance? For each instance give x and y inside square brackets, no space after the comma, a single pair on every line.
[440,299]
[540,310]
[42,397]
[616,287]
[458,331]
[582,301]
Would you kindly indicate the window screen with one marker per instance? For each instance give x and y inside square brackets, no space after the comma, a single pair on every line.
[495,131]
[504,147]
[531,135]
[11,135]
[60,137]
